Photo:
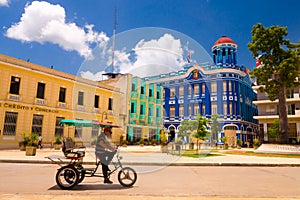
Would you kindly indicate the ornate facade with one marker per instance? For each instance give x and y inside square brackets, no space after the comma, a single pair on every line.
[224,88]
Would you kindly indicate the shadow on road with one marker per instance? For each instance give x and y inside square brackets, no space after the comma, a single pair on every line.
[93,187]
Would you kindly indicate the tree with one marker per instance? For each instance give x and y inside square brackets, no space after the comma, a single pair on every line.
[215,127]
[279,69]
[201,129]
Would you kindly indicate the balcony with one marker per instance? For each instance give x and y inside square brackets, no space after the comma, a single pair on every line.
[80,107]
[133,116]
[134,95]
[62,105]
[151,99]
[40,101]
[158,101]
[143,97]
[14,97]
[142,118]
[150,119]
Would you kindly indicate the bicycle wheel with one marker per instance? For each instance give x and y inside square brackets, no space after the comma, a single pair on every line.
[127,177]
[67,177]
[81,175]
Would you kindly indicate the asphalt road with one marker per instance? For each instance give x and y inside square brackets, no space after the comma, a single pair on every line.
[33,181]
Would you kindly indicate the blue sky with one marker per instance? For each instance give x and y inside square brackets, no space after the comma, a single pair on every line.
[66,33]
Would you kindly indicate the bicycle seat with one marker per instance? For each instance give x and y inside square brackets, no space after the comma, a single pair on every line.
[74,153]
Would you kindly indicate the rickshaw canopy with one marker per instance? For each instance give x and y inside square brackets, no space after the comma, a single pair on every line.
[87,123]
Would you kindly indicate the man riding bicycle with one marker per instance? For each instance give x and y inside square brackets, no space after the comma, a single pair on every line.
[105,152]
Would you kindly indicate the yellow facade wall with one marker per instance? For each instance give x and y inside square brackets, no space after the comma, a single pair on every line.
[26,104]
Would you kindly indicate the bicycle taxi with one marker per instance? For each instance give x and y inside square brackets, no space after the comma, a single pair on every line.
[72,172]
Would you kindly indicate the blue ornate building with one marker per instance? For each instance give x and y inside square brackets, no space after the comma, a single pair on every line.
[224,88]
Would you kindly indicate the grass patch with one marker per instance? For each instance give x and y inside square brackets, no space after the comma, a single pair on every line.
[252,153]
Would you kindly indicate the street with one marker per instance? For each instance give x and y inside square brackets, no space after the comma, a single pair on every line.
[256,182]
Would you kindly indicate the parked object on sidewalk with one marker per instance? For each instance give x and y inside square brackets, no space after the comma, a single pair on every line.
[40,140]
[31,144]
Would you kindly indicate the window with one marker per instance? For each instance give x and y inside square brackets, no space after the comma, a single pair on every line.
[59,129]
[189,89]
[10,123]
[203,88]
[132,87]
[224,86]
[189,110]
[150,111]
[230,108]
[62,94]
[181,113]
[172,92]
[270,108]
[37,124]
[213,87]
[229,86]
[95,131]
[157,111]
[78,132]
[196,89]
[203,109]
[196,109]
[158,95]
[152,133]
[142,111]
[96,102]
[150,93]
[14,85]
[181,91]
[132,107]
[80,98]
[137,133]
[225,108]
[110,103]
[40,93]
[142,90]
[172,111]
[214,108]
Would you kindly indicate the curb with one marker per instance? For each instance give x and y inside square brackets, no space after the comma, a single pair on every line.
[165,164]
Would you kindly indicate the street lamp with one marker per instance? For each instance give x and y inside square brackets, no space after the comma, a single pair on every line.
[104,112]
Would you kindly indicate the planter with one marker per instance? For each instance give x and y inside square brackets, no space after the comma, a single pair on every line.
[57,146]
[22,147]
[225,146]
[30,151]
[164,149]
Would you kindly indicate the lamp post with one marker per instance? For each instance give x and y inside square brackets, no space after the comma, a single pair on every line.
[104,112]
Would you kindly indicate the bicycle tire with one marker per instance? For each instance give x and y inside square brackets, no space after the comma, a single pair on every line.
[127,177]
[67,177]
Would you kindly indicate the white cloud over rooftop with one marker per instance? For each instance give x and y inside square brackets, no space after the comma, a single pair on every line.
[44,22]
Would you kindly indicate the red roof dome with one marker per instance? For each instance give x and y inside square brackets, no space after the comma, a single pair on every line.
[224,39]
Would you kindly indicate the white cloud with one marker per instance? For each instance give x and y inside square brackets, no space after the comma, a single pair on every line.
[44,22]
[155,57]
[94,77]
[4,3]
[148,58]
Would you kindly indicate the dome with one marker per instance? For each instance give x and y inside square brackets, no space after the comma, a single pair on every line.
[223,40]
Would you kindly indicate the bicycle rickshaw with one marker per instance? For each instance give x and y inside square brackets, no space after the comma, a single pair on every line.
[73,172]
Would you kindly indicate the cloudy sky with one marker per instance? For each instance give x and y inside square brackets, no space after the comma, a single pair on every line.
[76,36]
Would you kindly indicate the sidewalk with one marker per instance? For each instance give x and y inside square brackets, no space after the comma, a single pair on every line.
[152,156]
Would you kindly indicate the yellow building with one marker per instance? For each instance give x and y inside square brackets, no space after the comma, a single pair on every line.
[35,99]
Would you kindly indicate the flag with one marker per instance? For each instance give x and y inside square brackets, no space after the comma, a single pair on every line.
[189,57]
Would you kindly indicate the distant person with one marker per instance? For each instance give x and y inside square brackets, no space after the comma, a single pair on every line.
[40,140]
[105,152]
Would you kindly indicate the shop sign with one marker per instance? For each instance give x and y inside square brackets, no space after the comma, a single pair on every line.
[29,108]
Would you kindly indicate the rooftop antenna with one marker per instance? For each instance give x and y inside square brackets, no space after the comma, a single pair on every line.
[112,74]
[114,39]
